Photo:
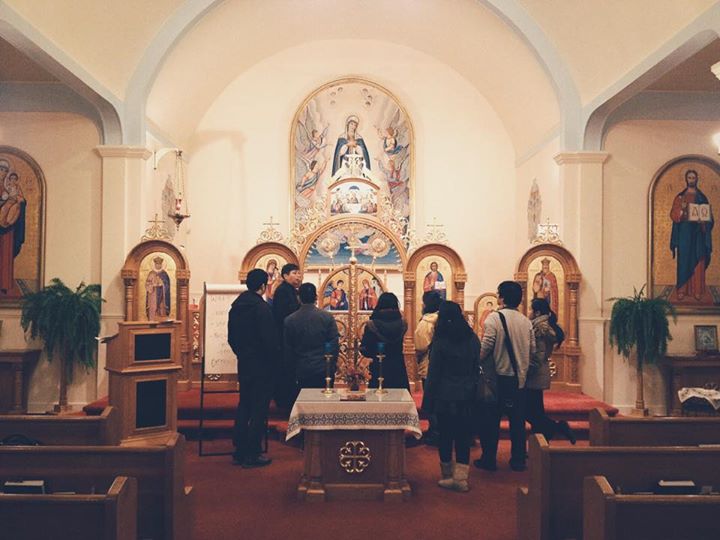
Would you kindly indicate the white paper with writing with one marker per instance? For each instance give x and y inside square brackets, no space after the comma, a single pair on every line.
[217,354]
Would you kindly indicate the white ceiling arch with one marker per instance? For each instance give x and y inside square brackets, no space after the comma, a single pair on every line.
[505,57]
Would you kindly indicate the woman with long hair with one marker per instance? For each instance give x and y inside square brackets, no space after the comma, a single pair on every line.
[450,392]
[548,335]
[384,334]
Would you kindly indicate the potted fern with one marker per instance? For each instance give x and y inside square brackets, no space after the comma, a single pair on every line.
[68,323]
[640,324]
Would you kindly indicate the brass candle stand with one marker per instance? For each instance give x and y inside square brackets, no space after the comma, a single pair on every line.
[328,391]
[381,379]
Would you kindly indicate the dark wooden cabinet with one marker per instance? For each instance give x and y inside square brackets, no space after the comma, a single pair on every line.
[16,366]
[689,371]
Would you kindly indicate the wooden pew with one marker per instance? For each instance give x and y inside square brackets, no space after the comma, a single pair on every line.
[65,430]
[652,431]
[551,506]
[163,499]
[611,516]
[107,516]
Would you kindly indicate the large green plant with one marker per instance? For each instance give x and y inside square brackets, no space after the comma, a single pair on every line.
[68,322]
[640,324]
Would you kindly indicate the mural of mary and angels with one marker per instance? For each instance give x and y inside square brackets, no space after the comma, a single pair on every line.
[351,129]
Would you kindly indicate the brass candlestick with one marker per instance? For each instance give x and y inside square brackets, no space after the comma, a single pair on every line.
[381,379]
[328,391]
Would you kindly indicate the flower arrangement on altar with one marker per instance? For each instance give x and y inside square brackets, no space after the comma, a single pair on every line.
[354,371]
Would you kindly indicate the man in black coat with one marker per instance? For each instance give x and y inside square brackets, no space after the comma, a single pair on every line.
[285,302]
[310,333]
[253,337]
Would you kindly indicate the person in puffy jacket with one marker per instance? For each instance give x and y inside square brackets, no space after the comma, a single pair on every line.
[450,392]
[424,333]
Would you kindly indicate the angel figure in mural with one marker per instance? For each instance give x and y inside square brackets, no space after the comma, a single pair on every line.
[393,173]
[350,143]
[545,285]
[12,223]
[310,137]
[434,281]
[389,137]
[309,181]
[157,292]
[368,297]
[691,238]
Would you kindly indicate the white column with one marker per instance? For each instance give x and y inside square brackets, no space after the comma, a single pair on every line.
[123,169]
[581,181]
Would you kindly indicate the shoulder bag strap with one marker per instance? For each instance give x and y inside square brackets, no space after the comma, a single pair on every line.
[508,344]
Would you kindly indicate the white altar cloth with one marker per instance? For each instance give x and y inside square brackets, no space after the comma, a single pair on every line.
[315,411]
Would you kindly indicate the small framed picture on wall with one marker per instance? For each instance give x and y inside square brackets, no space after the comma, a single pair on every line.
[706,339]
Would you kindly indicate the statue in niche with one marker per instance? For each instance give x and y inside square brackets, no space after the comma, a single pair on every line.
[691,239]
[157,292]
[12,223]
[545,285]
[350,147]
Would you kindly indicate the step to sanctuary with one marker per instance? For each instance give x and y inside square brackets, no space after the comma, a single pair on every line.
[218,413]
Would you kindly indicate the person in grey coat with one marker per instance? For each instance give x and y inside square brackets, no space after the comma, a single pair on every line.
[309,334]
[548,335]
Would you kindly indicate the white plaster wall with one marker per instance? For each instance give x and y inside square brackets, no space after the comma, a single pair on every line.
[62,144]
[239,157]
[637,150]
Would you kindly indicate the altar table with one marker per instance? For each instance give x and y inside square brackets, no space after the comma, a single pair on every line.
[354,449]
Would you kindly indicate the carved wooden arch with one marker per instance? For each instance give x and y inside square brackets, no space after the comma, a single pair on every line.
[361,220]
[409,277]
[259,251]
[567,359]
[130,273]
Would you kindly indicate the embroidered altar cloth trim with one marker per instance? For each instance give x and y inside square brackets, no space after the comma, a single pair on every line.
[314,411]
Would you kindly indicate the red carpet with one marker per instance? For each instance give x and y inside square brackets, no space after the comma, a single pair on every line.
[257,504]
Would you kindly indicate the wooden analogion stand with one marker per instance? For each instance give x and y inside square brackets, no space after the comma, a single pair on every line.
[144,361]
[354,450]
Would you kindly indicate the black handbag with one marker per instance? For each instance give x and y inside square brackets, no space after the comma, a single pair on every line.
[486,388]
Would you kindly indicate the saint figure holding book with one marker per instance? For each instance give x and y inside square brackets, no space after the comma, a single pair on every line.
[691,238]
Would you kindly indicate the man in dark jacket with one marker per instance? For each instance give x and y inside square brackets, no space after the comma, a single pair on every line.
[285,302]
[252,335]
[309,334]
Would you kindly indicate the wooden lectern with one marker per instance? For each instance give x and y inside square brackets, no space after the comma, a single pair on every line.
[144,361]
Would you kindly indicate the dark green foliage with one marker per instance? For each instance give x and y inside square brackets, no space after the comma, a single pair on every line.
[67,321]
[642,323]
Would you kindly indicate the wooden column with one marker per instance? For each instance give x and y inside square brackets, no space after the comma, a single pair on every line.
[183,314]
[130,279]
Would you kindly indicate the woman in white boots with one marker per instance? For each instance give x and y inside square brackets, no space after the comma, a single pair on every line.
[450,392]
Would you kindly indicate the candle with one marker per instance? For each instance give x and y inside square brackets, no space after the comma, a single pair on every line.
[381,347]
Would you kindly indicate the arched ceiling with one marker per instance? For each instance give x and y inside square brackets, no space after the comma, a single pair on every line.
[463,34]
[105,38]
[598,43]
[601,40]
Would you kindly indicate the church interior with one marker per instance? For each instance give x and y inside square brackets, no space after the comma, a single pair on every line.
[160,151]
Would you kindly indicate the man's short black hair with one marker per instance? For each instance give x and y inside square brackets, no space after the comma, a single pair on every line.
[289,267]
[308,293]
[511,293]
[255,279]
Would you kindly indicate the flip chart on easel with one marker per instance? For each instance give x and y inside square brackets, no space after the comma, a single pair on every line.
[217,354]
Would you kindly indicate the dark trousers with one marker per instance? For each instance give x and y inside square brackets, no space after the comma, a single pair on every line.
[535,414]
[455,430]
[511,404]
[251,416]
